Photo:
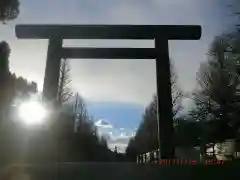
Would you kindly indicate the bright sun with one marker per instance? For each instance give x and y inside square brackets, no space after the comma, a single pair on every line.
[32,113]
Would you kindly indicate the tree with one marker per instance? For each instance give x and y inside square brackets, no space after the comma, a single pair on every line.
[12,88]
[4,62]
[236,10]
[131,150]
[146,138]
[4,55]
[75,136]
[83,122]
[218,96]
[115,149]
[64,91]
[4,78]
[9,10]
[23,88]
[187,133]
[219,79]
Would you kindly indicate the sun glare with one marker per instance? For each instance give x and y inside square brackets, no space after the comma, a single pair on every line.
[32,113]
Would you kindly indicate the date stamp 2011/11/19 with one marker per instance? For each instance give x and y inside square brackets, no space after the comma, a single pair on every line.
[189,162]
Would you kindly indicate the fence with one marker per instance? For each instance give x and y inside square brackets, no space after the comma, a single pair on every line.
[148,157]
[221,151]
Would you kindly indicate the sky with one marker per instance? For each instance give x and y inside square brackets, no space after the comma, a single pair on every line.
[117,91]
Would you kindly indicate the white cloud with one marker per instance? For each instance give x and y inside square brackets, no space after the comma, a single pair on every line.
[120,141]
[120,147]
[116,137]
[102,123]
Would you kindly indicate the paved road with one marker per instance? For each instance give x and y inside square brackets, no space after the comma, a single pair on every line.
[116,171]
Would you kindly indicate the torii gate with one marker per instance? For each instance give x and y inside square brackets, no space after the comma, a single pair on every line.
[160,33]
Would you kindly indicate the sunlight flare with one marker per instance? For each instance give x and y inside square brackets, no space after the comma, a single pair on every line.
[32,113]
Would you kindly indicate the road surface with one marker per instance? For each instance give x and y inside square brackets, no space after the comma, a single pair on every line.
[116,171]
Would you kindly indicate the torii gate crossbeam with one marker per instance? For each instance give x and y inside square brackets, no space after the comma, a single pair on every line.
[160,33]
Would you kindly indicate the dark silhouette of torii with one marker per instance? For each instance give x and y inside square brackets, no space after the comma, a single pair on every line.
[160,33]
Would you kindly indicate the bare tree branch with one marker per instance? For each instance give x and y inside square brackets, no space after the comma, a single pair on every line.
[64,92]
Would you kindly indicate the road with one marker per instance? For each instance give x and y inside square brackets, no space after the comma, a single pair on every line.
[115,171]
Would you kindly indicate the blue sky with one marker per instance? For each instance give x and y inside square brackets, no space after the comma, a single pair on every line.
[121,115]
[116,91]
